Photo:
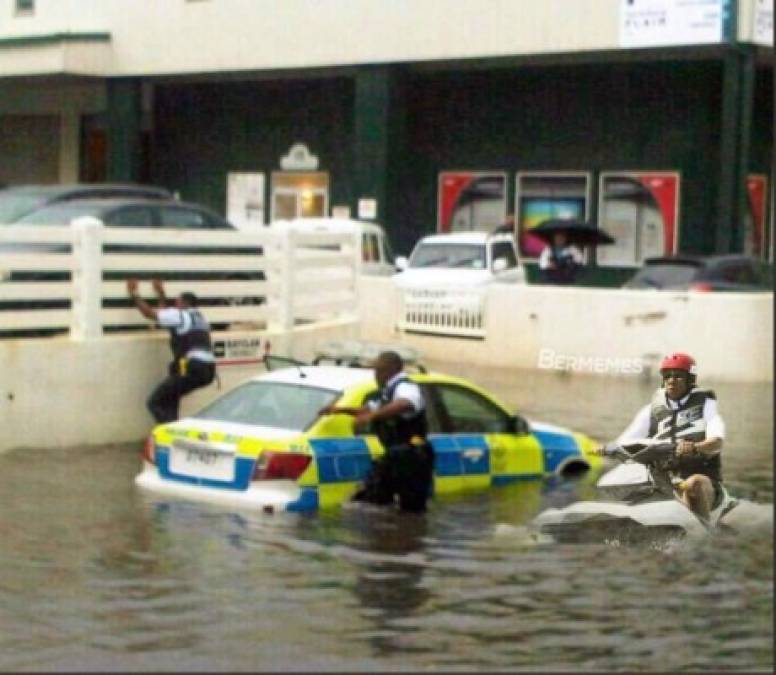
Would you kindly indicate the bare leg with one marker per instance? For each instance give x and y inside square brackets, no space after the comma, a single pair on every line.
[698,495]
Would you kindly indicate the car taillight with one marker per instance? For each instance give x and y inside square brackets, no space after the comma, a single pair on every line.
[700,286]
[149,450]
[278,465]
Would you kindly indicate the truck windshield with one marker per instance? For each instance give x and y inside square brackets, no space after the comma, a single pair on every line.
[459,256]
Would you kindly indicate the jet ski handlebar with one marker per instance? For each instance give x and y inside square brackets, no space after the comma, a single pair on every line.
[643,452]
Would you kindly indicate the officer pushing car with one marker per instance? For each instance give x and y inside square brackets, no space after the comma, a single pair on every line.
[398,418]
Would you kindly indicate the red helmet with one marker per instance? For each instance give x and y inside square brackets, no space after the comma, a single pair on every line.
[679,361]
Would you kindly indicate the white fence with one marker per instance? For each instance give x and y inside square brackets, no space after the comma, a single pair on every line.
[458,312]
[73,278]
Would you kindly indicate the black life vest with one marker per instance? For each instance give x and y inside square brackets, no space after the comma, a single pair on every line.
[398,430]
[197,336]
[685,423]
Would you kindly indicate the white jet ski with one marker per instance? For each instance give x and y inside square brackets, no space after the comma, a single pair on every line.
[639,502]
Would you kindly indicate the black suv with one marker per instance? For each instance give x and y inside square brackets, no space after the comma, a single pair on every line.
[18,201]
[704,273]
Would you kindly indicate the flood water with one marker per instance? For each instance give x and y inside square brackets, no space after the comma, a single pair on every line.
[95,576]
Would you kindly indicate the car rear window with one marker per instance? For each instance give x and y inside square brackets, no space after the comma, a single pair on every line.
[13,206]
[459,256]
[59,214]
[272,404]
[663,275]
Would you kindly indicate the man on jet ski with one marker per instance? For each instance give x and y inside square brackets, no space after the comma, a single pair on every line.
[682,413]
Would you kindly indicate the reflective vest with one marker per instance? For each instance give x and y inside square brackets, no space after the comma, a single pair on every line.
[399,430]
[196,336]
[685,423]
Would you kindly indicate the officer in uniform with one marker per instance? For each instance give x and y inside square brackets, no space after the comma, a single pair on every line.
[398,417]
[681,412]
[193,363]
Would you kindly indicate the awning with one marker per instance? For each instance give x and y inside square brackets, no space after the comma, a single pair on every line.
[89,54]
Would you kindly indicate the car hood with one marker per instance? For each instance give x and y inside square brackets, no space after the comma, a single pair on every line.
[442,277]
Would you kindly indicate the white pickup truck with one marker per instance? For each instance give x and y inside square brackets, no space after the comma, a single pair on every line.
[461,259]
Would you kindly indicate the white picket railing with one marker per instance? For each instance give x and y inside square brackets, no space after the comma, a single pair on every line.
[269,278]
[443,311]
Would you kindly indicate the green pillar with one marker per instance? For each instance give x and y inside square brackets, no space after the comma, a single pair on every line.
[378,122]
[124,117]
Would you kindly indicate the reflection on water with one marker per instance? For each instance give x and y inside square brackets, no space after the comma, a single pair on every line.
[95,576]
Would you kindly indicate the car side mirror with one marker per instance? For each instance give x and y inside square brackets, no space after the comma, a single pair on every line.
[500,264]
[519,425]
[402,263]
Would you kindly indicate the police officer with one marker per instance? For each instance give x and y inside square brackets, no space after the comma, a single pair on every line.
[398,417]
[681,412]
[193,363]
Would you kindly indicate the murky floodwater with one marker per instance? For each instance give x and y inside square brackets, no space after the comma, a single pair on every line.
[94,576]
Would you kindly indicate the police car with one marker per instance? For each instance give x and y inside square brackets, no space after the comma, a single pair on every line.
[264,446]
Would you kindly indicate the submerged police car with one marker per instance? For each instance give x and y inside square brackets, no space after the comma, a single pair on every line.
[263,445]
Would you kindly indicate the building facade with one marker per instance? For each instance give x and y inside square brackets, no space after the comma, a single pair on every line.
[653,118]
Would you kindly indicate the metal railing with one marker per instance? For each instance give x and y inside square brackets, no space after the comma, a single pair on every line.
[447,311]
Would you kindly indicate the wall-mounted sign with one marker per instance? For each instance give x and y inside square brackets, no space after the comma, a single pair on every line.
[471,200]
[340,211]
[641,211]
[754,234]
[367,208]
[543,195]
[653,23]
[762,31]
[299,158]
[245,199]
[236,351]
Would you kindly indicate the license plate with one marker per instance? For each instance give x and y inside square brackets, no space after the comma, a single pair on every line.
[202,462]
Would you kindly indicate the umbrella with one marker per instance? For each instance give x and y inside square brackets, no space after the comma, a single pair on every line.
[576,231]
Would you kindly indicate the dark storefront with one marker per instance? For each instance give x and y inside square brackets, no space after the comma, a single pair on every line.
[702,116]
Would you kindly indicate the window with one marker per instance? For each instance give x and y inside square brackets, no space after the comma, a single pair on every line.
[133,216]
[545,195]
[503,249]
[467,411]
[271,404]
[25,6]
[183,219]
[370,251]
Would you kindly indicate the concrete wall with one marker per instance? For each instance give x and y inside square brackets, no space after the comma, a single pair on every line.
[168,37]
[577,329]
[58,393]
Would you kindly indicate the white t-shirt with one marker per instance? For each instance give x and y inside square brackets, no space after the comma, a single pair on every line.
[180,321]
[639,427]
[409,391]
[545,255]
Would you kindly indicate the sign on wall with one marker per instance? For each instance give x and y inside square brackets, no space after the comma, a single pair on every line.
[762,31]
[641,211]
[471,200]
[653,23]
[545,195]
[754,233]
[245,199]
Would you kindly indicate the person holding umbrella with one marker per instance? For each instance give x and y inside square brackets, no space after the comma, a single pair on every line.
[559,261]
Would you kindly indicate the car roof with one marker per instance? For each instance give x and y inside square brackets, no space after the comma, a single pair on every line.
[697,260]
[326,377]
[61,190]
[327,224]
[478,237]
[102,205]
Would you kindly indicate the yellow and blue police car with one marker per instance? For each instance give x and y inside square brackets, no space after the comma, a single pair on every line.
[264,446]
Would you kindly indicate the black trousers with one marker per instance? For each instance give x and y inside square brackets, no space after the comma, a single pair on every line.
[404,470]
[164,401]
